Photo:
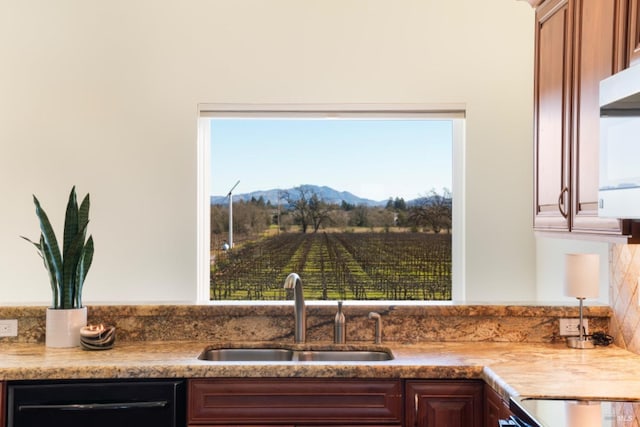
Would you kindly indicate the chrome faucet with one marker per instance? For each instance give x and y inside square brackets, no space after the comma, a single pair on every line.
[293,282]
[378,319]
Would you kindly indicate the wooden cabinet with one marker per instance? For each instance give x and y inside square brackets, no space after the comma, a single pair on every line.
[335,402]
[294,401]
[552,101]
[633,39]
[578,43]
[444,403]
[597,55]
[495,408]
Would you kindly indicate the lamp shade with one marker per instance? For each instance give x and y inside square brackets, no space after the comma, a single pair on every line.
[583,414]
[581,275]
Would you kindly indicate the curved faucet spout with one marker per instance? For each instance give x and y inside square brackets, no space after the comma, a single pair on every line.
[293,282]
[378,334]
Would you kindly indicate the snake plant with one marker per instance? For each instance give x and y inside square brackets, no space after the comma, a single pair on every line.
[67,269]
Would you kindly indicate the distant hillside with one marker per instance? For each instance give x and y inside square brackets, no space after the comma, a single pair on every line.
[325,193]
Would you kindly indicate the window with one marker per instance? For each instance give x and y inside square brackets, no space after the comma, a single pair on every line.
[364,205]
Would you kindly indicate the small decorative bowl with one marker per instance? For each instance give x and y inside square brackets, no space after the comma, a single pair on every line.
[97,337]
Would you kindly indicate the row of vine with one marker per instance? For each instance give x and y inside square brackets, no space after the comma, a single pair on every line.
[363,266]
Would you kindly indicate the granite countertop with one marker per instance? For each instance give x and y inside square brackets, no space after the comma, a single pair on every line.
[525,369]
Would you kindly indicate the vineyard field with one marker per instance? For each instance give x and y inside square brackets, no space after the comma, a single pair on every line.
[337,266]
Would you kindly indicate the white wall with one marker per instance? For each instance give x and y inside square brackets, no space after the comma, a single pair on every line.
[104,95]
[550,267]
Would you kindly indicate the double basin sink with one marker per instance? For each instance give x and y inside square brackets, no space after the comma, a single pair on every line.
[294,354]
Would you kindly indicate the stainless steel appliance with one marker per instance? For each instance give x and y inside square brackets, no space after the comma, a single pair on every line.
[619,177]
[122,403]
[573,413]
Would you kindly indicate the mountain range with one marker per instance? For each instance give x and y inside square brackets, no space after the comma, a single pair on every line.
[325,193]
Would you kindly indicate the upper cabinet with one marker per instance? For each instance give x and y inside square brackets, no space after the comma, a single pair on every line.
[552,102]
[578,43]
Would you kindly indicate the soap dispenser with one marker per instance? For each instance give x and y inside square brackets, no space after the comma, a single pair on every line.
[339,327]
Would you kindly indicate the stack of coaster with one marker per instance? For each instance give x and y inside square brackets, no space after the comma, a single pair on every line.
[97,337]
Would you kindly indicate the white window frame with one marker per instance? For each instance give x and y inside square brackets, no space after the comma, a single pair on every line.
[455,112]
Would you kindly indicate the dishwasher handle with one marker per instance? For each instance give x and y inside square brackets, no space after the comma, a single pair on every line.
[95,406]
[513,421]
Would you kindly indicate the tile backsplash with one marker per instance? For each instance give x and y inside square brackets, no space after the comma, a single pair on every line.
[624,297]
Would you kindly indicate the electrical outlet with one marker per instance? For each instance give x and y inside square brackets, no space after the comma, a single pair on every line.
[8,327]
[569,327]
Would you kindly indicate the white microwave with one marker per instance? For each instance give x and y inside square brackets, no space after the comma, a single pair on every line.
[619,183]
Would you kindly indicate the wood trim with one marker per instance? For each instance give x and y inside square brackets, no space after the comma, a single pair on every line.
[589,237]
[621,45]
[634,33]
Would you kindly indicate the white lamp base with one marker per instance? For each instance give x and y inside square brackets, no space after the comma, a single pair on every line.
[576,342]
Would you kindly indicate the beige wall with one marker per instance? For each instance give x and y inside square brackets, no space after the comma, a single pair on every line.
[550,255]
[104,95]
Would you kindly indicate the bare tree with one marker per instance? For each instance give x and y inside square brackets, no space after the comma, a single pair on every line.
[318,212]
[308,209]
[299,206]
[433,211]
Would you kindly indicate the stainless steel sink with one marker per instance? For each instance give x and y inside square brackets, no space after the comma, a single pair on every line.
[343,356]
[247,355]
[293,355]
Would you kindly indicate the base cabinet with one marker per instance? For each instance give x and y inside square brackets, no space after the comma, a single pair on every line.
[294,402]
[495,407]
[444,403]
[291,402]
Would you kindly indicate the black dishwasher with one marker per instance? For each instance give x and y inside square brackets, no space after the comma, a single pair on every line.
[97,403]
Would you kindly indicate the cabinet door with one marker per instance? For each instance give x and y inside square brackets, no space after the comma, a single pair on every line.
[634,32]
[495,408]
[597,55]
[552,116]
[294,401]
[444,403]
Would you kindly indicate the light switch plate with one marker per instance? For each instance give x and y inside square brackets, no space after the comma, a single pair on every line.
[8,327]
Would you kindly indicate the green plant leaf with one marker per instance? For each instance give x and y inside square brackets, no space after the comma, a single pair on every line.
[70,267]
[71,226]
[55,284]
[67,270]
[37,245]
[83,211]
[83,268]
[49,238]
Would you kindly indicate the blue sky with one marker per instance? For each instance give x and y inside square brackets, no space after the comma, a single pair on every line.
[374,159]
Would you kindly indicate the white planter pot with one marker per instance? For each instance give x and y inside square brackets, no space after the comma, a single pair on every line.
[63,326]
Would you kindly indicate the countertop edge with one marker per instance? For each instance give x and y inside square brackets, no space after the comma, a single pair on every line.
[510,369]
